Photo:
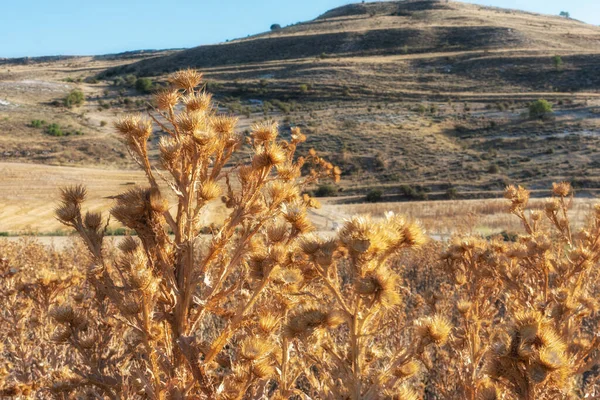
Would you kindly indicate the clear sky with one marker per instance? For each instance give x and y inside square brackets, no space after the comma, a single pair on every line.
[83,27]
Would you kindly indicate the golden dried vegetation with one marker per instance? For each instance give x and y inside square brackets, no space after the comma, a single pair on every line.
[264,307]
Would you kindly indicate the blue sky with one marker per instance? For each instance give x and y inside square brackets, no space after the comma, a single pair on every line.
[78,27]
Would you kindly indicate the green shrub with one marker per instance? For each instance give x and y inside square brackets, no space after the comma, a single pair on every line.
[130,80]
[143,85]
[374,195]
[558,62]
[38,123]
[74,98]
[303,88]
[451,193]
[275,27]
[325,191]
[413,193]
[540,108]
[54,130]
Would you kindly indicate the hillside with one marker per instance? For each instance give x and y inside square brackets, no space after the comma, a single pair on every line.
[414,98]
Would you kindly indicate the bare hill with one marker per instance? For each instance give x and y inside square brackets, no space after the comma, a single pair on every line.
[414,98]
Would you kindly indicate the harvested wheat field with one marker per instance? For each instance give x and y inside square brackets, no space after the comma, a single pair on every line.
[397,200]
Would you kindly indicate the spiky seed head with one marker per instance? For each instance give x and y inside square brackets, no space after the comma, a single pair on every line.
[268,323]
[304,322]
[552,358]
[167,99]
[561,189]
[464,306]
[283,192]
[201,101]
[157,203]
[192,122]
[277,232]
[223,124]
[73,194]
[186,79]
[133,126]
[63,313]
[265,131]
[413,235]
[407,369]
[254,348]
[288,171]
[128,245]
[436,329]
[61,333]
[93,220]
[269,156]
[67,213]
[263,369]
[209,190]
[88,340]
[518,196]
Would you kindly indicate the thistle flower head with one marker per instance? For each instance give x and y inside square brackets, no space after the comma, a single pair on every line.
[167,99]
[561,189]
[254,348]
[265,131]
[198,101]
[186,79]
[134,127]
[435,329]
[269,156]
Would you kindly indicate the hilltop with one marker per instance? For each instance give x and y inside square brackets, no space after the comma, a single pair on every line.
[414,98]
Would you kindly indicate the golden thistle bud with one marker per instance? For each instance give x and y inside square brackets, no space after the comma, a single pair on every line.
[518,196]
[288,171]
[297,136]
[223,125]
[209,190]
[435,329]
[277,232]
[198,101]
[268,323]
[562,189]
[166,99]
[133,126]
[552,206]
[265,131]
[263,369]
[464,306]
[170,149]
[254,348]
[407,369]
[186,79]
[269,156]
[191,122]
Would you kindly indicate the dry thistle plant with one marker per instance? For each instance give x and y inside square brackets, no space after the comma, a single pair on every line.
[527,311]
[165,291]
[348,336]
